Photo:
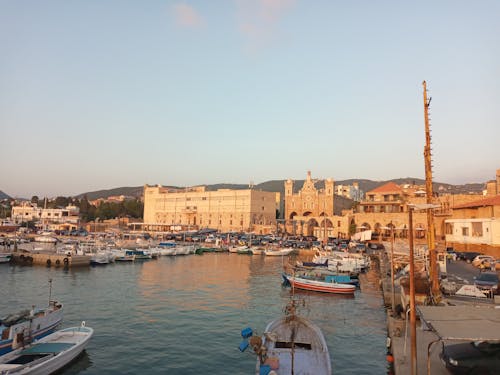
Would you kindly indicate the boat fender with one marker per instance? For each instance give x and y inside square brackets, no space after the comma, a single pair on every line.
[65,260]
[21,257]
[265,370]
[243,346]
[49,262]
[58,262]
[246,332]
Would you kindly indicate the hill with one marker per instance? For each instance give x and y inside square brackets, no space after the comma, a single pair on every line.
[3,195]
[278,186]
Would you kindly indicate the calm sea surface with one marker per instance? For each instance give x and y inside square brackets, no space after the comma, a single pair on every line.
[183,315]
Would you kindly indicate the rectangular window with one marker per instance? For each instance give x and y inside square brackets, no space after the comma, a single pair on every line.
[449,228]
[477,229]
[465,231]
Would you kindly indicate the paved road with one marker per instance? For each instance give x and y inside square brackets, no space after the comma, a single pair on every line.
[461,272]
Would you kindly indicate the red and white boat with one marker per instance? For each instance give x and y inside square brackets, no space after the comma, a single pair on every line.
[320,286]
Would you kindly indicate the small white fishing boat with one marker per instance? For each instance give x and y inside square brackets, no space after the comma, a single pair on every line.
[290,344]
[27,325]
[45,239]
[5,257]
[257,250]
[278,252]
[48,354]
[122,256]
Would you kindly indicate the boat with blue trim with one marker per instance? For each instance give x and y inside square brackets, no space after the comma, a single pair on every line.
[48,354]
[23,327]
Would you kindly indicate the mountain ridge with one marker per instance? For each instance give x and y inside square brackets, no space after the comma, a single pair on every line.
[278,186]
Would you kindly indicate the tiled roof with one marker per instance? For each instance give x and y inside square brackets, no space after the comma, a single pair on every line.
[390,187]
[490,201]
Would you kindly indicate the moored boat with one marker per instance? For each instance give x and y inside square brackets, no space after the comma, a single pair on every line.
[48,354]
[291,344]
[320,286]
[25,326]
[139,254]
[5,257]
[278,252]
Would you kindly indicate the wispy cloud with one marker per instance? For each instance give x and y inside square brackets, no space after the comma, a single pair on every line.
[187,16]
[257,20]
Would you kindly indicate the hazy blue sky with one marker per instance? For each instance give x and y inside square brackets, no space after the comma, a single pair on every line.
[102,94]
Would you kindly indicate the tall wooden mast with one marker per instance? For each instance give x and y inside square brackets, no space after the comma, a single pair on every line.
[431,243]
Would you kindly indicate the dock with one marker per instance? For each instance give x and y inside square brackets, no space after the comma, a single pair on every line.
[447,322]
[50,259]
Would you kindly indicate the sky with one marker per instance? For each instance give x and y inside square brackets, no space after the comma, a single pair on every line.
[102,94]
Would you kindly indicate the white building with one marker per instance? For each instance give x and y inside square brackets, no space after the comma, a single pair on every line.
[350,191]
[45,216]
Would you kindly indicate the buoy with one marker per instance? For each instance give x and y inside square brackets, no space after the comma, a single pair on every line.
[65,260]
[390,358]
[58,262]
[49,262]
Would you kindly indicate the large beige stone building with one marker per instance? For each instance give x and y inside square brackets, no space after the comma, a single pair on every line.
[386,208]
[311,210]
[226,210]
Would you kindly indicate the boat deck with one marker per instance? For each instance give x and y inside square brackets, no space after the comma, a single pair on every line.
[47,347]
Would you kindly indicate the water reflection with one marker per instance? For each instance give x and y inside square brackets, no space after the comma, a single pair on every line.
[79,364]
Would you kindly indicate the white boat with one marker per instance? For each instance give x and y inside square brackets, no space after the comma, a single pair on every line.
[5,257]
[235,249]
[184,249]
[45,239]
[169,251]
[340,261]
[27,325]
[100,258]
[278,252]
[122,256]
[48,354]
[291,344]
[257,250]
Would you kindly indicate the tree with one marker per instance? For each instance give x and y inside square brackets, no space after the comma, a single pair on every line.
[34,199]
[61,202]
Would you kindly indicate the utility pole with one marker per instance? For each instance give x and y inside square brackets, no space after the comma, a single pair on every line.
[431,243]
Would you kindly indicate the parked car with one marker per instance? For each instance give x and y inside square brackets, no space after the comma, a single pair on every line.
[468,256]
[480,258]
[487,281]
[478,357]
[488,264]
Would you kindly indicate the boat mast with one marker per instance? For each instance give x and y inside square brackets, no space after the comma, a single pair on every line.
[429,193]
[50,290]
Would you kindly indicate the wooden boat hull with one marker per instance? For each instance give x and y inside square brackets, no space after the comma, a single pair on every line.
[296,343]
[320,286]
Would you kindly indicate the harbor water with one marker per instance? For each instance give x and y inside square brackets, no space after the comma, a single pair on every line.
[184,314]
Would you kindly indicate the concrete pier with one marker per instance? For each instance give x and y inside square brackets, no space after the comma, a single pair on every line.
[51,259]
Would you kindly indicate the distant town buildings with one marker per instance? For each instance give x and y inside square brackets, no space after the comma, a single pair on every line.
[226,210]
[113,199]
[475,225]
[350,191]
[46,218]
